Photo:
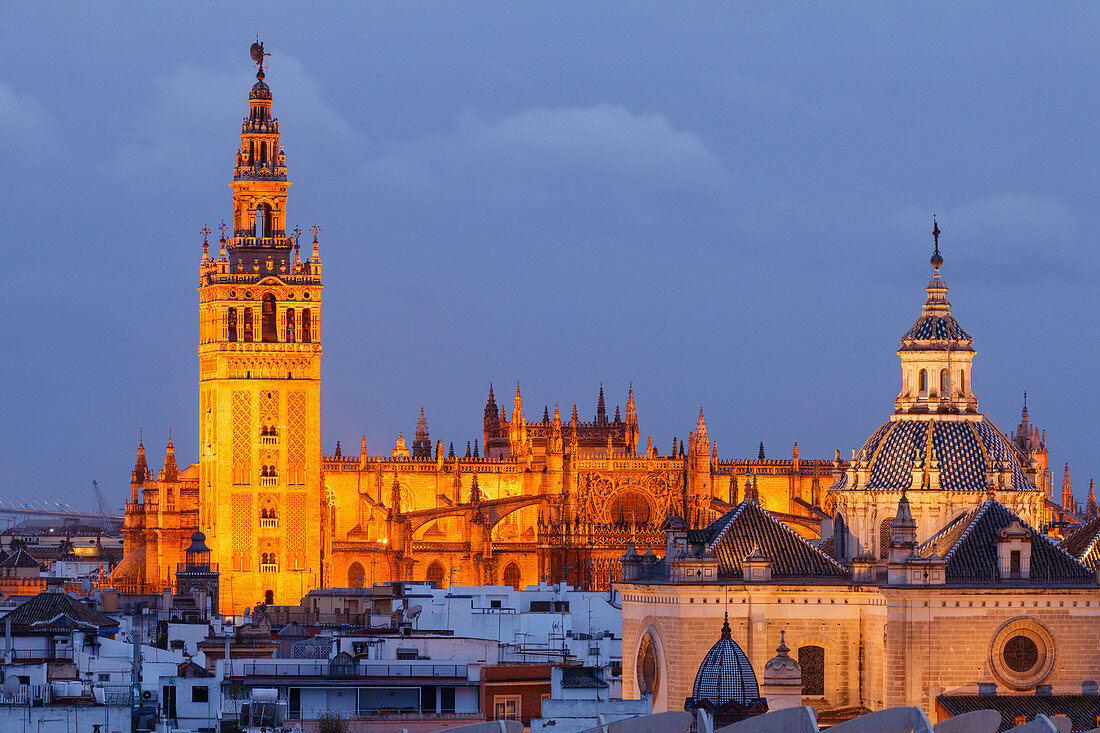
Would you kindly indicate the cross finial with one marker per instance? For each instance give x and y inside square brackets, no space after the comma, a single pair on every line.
[937,259]
[205,232]
[297,233]
[1025,399]
[222,227]
[316,230]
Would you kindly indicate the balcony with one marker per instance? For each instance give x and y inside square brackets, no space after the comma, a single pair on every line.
[269,522]
[183,568]
[269,567]
[269,440]
[269,481]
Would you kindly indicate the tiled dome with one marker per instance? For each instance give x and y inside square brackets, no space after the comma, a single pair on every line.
[725,675]
[964,451]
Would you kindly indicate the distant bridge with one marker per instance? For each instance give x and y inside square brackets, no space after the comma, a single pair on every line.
[23,493]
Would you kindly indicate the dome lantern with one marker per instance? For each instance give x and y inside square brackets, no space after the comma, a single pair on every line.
[936,354]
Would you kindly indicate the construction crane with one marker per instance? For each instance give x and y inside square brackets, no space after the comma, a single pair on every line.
[103,512]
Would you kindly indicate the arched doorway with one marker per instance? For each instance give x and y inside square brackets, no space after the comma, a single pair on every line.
[355,575]
[435,574]
[629,507]
[513,577]
[269,597]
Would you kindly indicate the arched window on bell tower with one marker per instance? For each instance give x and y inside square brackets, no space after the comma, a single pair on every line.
[264,219]
[924,381]
[247,324]
[232,322]
[290,325]
[269,332]
[307,335]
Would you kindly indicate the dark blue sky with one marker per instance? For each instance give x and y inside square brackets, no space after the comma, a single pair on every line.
[728,205]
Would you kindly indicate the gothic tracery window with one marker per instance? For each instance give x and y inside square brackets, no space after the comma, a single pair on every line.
[290,325]
[307,335]
[512,576]
[435,574]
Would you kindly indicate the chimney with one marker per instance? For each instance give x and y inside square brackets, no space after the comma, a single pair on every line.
[1088,687]
[987,689]
[1044,691]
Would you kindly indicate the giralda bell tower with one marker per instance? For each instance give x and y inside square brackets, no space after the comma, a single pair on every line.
[260,383]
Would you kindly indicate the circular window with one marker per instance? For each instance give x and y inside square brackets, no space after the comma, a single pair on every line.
[232,293]
[248,293]
[290,296]
[306,295]
[1022,653]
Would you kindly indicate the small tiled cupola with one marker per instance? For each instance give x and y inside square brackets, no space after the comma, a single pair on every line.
[1014,551]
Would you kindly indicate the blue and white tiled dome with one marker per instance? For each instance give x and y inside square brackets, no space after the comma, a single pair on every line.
[725,675]
[964,451]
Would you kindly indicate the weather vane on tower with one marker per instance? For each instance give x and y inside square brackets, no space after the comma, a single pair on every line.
[257,52]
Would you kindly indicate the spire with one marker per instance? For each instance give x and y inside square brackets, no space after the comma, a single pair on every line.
[422,444]
[170,472]
[726,631]
[573,420]
[477,454]
[451,450]
[760,453]
[468,454]
[631,413]
[701,426]
[475,492]
[490,408]
[141,469]
[1068,503]
[545,415]
[601,410]
[517,406]
[1091,509]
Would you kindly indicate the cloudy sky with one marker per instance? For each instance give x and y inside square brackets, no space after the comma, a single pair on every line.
[728,205]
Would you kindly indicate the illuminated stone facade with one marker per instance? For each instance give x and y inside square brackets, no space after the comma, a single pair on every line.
[939,576]
[535,499]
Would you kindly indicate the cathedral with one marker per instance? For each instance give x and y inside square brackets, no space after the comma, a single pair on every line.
[549,497]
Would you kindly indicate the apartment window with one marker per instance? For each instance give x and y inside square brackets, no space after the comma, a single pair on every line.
[103,677]
[505,707]
[446,699]
[200,693]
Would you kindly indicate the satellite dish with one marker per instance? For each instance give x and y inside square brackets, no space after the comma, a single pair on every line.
[413,612]
[11,685]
